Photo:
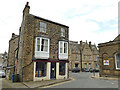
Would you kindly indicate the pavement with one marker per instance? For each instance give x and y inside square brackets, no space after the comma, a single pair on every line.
[31,84]
[96,76]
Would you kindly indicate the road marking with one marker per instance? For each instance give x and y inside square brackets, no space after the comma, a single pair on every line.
[59,83]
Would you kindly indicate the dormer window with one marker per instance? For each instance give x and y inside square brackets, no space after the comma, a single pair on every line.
[42,27]
[62,32]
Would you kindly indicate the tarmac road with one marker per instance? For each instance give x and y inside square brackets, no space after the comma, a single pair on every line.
[83,80]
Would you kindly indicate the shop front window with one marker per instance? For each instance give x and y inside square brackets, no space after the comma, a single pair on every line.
[40,69]
[61,68]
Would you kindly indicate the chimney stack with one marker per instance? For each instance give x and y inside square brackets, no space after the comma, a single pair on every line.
[13,34]
[90,44]
[26,9]
[27,4]
[81,44]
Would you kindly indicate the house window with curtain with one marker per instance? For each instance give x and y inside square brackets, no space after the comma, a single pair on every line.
[63,47]
[63,50]
[62,32]
[42,27]
[42,44]
[42,48]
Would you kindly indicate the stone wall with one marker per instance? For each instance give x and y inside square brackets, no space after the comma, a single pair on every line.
[13,46]
[107,52]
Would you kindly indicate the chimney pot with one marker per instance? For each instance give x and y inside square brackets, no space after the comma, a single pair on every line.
[27,3]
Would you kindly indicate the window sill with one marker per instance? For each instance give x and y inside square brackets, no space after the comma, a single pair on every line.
[43,32]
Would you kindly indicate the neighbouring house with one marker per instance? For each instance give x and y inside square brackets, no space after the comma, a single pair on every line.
[109,58]
[40,51]
[83,55]
[74,55]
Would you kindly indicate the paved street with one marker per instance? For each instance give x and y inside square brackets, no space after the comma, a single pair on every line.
[83,80]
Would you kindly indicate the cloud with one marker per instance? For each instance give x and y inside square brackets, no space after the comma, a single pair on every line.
[90,20]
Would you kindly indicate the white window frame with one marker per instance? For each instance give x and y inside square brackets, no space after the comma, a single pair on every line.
[62,55]
[63,48]
[62,32]
[116,62]
[43,27]
[41,44]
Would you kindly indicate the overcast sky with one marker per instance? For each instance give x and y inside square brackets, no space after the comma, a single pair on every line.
[91,20]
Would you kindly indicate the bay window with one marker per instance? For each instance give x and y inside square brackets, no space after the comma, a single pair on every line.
[63,47]
[42,47]
[63,50]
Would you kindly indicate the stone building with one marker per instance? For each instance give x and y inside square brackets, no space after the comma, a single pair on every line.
[74,55]
[89,55]
[83,55]
[109,58]
[40,52]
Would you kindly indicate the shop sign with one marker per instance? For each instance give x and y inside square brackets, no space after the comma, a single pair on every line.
[106,62]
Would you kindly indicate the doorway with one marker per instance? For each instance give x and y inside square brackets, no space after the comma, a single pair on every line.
[53,70]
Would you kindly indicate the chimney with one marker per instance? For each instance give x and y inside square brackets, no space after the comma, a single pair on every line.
[81,44]
[13,34]
[26,9]
[27,4]
[90,44]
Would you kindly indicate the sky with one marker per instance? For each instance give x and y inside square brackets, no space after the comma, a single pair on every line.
[91,20]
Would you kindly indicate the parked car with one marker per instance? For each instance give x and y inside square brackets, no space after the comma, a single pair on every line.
[96,70]
[2,73]
[76,69]
[84,70]
[93,70]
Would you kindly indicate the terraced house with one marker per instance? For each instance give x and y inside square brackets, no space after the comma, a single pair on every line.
[41,51]
[83,55]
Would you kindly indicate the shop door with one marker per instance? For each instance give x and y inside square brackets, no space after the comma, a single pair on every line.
[53,70]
